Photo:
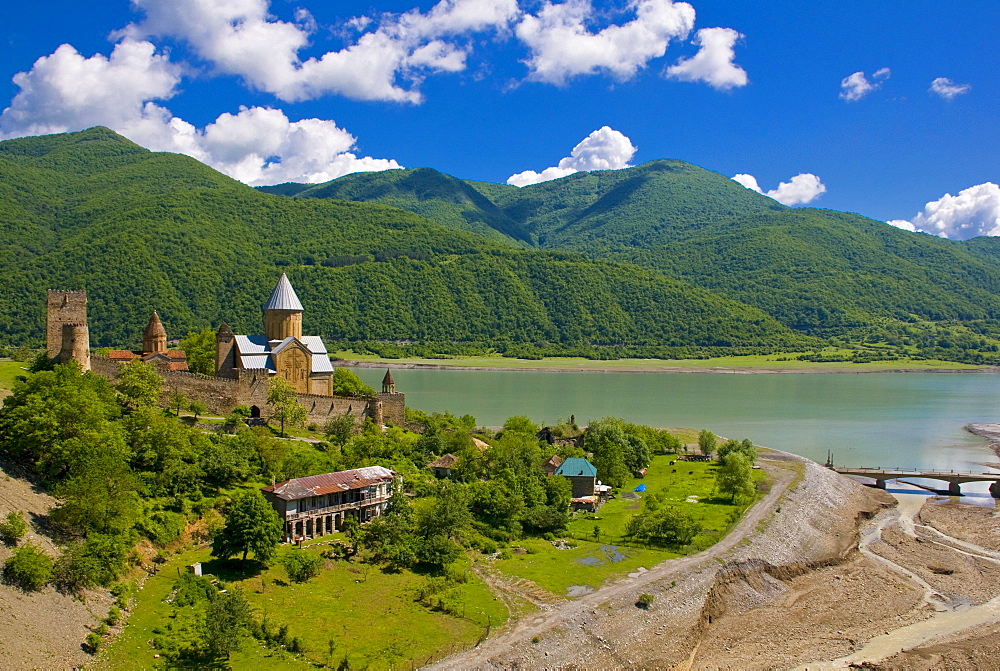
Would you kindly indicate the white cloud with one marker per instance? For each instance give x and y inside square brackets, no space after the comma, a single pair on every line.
[240,37]
[65,89]
[604,149]
[713,63]
[66,92]
[973,212]
[563,46]
[948,89]
[856,86]
[799,190]
[749,181]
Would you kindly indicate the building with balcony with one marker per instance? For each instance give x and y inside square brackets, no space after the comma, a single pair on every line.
[318,505]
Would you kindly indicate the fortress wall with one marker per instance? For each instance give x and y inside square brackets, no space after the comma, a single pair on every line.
[221,395]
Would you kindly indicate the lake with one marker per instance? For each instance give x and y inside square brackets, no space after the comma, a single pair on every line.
[910,420]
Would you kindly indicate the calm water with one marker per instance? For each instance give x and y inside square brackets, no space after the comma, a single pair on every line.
[878,419]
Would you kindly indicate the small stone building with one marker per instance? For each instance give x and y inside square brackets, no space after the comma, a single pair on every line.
[552,464]
[318,505]
[582,474]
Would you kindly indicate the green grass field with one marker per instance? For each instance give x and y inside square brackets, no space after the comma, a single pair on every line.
[768,362]
[688,485]
[9,370]
[370,615]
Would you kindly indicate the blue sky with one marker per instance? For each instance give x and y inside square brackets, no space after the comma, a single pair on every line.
[490,89]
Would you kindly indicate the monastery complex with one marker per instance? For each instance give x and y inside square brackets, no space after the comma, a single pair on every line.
[245,364]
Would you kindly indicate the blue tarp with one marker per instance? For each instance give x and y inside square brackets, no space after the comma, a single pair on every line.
[641,488]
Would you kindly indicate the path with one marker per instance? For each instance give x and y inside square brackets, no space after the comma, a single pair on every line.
[561,614]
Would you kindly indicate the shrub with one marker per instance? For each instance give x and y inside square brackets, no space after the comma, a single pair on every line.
[28,568]
[301,565]
[92,642]
[13,528]
[114,616]
[645,601]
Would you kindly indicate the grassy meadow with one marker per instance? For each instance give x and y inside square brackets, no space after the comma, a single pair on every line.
[360,613]
[595,558]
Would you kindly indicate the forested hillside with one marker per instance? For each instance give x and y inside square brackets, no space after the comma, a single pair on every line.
[817,271]
[141,230]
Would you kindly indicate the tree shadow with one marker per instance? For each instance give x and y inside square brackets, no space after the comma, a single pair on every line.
[233,570]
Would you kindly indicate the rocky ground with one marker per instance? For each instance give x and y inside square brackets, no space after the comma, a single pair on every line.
[40,630]
[789,588]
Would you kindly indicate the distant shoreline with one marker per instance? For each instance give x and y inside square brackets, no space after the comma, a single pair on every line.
[427,364]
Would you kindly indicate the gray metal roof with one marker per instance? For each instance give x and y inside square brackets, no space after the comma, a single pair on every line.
[255,352]
[283,297]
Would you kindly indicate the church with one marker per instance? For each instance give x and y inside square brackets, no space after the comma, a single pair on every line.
[281,350]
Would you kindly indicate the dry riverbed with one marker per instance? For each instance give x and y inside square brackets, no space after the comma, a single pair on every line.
[823,573]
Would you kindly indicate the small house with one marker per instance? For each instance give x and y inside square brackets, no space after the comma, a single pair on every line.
[581,474]
[552,464]
[442,465]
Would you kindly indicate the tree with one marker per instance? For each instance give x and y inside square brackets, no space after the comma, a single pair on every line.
[351,528]
[347,383]
[611,446]
[284,403]
[200,349]
[665,526]
[104,497]
[339,429]
[520,424]
[197,408]
[28,568]
[745,447]
[13,528]
[300,565]
[706,442]
[226,620]
[139,385]
[178,401]
[251,526]
[735,477]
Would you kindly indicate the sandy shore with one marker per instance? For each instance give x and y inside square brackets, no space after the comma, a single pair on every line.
[990,432]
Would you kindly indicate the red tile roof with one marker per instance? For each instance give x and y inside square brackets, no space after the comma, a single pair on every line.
[328,483]
[122,354]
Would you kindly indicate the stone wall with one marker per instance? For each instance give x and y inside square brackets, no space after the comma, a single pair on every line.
[221,395]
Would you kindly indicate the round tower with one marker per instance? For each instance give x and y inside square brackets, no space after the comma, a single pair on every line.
[225,360]
[75,345]
[283,312]
[154,336]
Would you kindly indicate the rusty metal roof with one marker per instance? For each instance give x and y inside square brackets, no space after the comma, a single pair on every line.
[328,483]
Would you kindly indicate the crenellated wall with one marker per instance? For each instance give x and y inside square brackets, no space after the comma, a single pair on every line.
[221,395]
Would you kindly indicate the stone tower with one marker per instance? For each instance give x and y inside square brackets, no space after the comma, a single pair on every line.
[225,354]
[283,312]
[67,335]
[154,336]
[388,384]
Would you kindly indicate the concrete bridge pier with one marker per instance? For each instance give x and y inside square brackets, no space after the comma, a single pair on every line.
[955,489]
[995,490]
[880,484]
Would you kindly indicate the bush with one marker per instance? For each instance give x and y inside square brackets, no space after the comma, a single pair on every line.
[301,565]
[645,601]
[93,642]
[28,568]
[13,528]
[114,616]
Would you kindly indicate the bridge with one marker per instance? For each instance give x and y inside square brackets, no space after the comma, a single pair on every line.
[953,478]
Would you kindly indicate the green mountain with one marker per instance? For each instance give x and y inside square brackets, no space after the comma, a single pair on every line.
[142,230]
[817,271]
[442,198]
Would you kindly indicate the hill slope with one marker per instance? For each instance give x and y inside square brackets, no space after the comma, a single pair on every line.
[142,230]
[817,271]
